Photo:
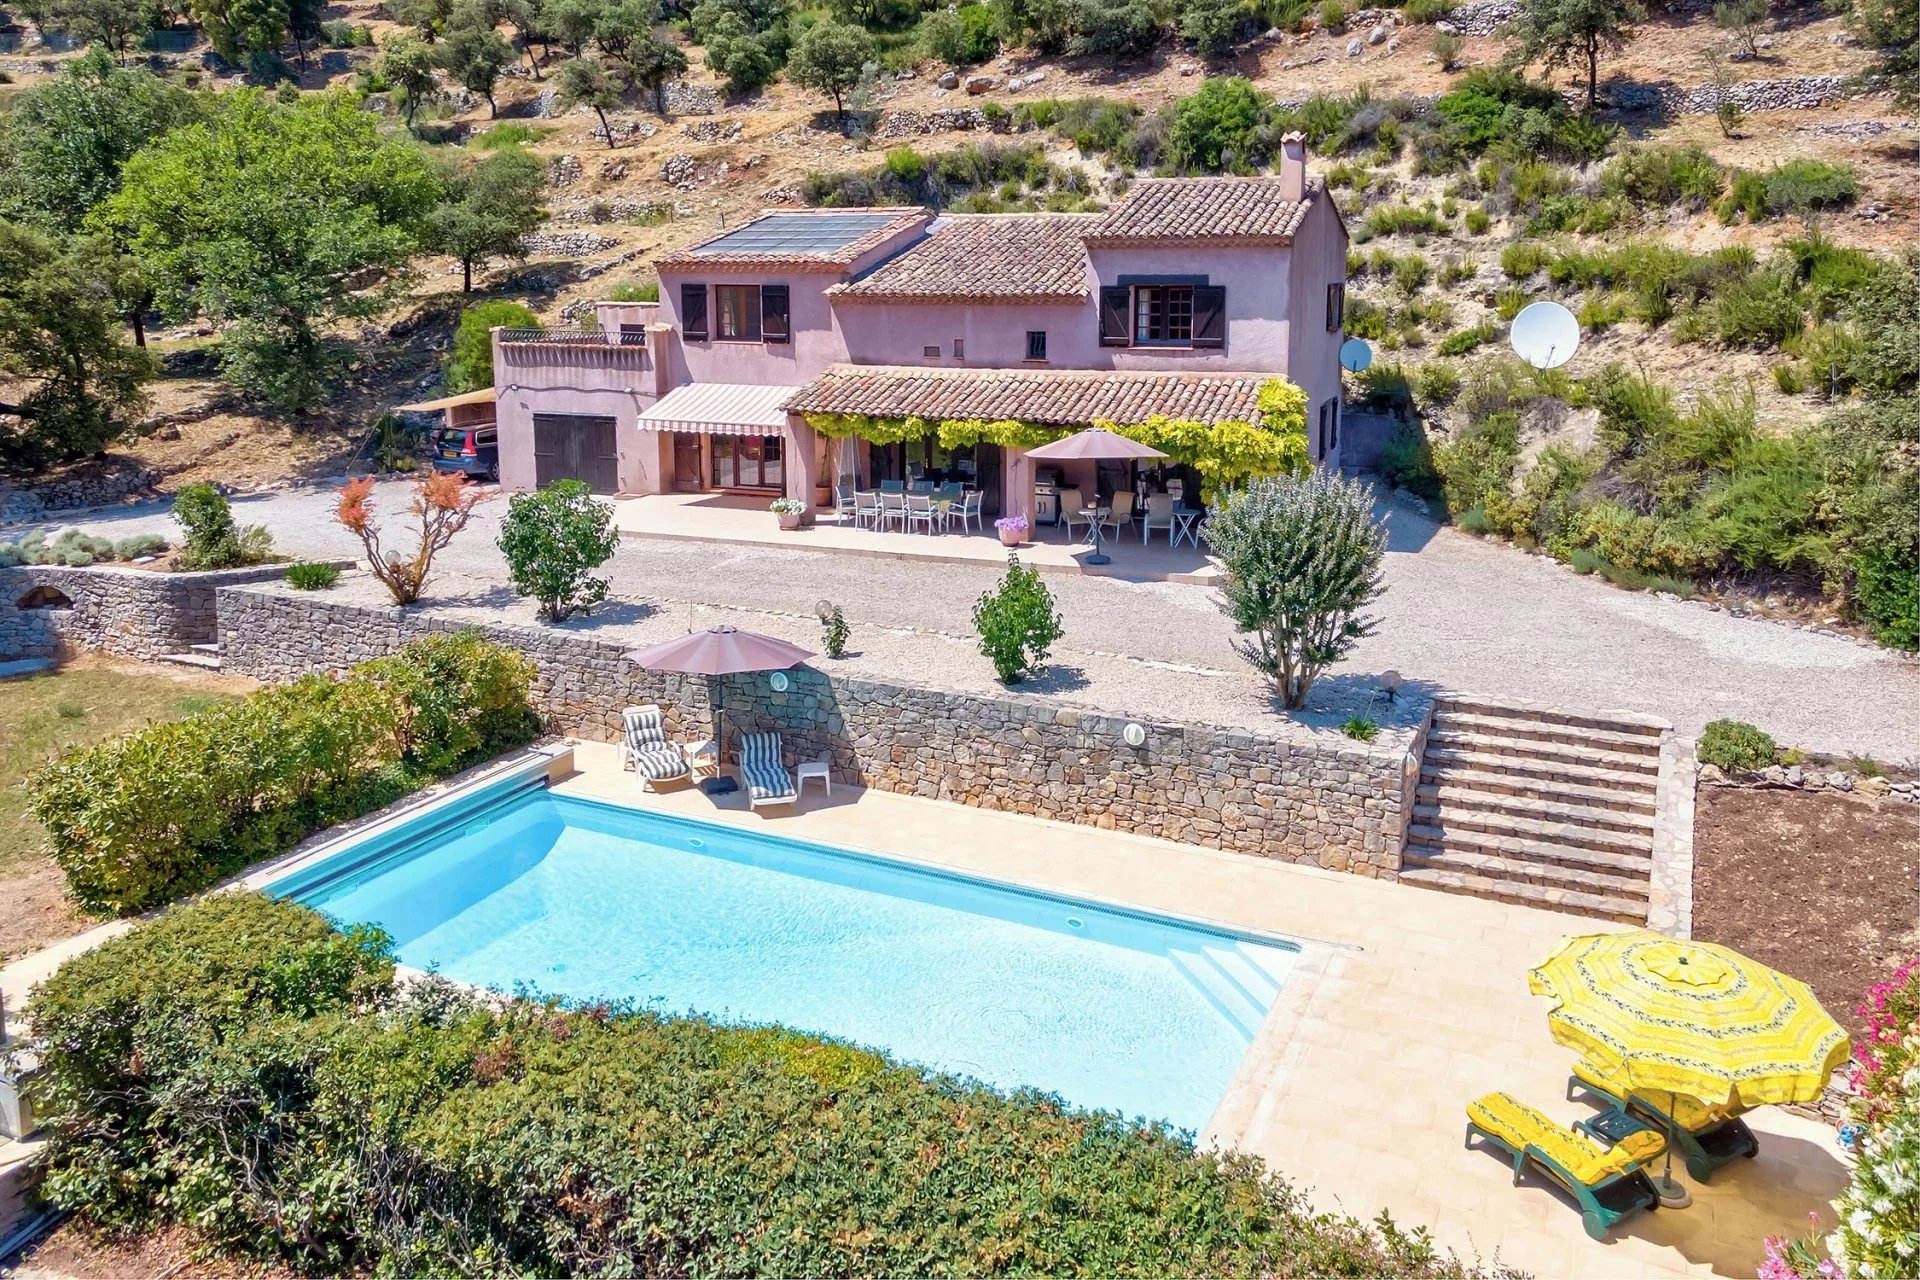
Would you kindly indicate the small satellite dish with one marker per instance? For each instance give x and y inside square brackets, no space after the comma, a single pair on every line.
[1545,335]
[1355,355]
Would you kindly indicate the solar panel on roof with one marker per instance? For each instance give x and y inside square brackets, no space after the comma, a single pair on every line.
[799,233]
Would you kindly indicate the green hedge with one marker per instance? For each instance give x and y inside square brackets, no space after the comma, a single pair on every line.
[143,819]
[238,1067]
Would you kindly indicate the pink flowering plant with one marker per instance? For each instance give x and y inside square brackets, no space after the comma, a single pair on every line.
[1803,1258]
[1885,1073]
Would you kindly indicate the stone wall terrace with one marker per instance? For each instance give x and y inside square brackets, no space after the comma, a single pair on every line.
[1290,794]
[137,613]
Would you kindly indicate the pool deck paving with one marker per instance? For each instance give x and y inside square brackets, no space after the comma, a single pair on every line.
[1405,1005]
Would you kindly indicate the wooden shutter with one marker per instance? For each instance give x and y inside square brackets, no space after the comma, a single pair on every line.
[1115,322]
[1209,316]
[693,312]
[1336,306]
[774,324]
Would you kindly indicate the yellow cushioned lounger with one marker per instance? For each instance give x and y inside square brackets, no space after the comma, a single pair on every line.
[1705,1137]
[1608,1183]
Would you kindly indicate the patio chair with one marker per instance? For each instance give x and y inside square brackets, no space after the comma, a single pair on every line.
[866,509]
[768,782]
[1705,1137]
[1159,516]
[967,509]
[1607,1183]
[1121,513]
[843,498]
[920,511]
[893,486]
[644,747]
[893,508]
[1070,505]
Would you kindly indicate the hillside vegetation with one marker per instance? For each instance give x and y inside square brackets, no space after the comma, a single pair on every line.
[235,241]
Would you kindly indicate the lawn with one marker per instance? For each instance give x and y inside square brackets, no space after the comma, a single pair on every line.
[39,716]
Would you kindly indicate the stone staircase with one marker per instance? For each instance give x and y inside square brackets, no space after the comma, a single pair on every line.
[204,656]
[1548,808]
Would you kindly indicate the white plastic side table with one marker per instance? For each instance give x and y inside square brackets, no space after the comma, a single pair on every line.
[813,769]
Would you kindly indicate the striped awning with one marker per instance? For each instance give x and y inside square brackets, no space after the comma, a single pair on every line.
[720,409]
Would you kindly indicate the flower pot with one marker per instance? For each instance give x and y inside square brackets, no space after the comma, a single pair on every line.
[1011,537]
[789,520]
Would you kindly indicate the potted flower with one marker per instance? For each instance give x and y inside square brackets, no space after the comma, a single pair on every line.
[1012,530]
[789,510]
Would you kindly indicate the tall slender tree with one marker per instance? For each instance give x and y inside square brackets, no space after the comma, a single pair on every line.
[1575,32]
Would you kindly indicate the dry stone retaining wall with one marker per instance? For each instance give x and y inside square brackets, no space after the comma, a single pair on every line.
[133,612]
[1307,798]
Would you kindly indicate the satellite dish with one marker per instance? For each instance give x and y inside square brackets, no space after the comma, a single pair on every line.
[1545,335]
[1355,355]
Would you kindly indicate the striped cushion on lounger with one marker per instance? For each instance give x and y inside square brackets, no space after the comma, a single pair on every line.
[760,765]
[652,755]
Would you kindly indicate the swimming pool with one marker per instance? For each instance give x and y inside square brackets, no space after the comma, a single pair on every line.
[1119,1010]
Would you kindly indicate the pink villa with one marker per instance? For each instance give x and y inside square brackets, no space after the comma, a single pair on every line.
[1180,299]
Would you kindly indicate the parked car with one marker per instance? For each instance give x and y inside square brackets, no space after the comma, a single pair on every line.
[475,451]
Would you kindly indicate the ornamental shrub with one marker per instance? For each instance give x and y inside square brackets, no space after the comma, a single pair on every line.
[213,540]
[1018,623]
[239,1067]
[1735,744]
[553,541]
[469,365]
[312,575]
[166,810]
[1301,559]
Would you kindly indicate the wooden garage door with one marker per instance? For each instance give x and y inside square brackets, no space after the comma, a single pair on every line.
[575,446]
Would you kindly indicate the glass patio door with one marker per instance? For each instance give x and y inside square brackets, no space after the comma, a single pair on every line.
[748,462]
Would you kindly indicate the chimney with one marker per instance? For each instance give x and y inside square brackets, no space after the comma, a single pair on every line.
[1293,166]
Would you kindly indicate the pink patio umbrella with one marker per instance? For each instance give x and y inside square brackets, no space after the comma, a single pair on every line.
[720,651]
[1095,444]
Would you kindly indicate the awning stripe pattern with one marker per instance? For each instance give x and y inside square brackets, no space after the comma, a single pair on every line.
[721,409]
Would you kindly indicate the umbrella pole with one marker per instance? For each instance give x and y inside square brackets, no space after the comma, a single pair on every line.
[1672,1194]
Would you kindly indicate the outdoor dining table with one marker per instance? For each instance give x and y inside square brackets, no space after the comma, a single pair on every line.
[1096,517]
[1186,524]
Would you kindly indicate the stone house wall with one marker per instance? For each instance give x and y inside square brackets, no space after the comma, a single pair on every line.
[132,612]
[1314,798]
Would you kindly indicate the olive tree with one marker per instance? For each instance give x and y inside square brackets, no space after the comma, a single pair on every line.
[1301,559]
[553,541]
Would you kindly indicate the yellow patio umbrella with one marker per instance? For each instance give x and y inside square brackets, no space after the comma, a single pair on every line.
[1688,1018]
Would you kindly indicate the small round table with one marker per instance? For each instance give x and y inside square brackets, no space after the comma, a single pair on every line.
[1095,515]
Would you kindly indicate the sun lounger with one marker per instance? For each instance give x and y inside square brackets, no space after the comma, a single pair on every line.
[1705,1137]
[644,747]
[1607,1183]
[768,782]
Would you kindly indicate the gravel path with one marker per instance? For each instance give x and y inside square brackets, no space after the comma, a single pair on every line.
[1459,613]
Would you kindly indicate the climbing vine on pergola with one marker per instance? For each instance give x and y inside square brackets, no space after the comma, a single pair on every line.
[1223,453]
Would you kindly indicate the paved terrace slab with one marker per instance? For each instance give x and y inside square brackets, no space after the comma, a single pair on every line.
[1459,612]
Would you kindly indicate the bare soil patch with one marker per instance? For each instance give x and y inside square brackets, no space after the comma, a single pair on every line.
[1821,885]
[73,1252]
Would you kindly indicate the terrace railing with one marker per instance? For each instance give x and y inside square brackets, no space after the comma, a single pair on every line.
[624,336]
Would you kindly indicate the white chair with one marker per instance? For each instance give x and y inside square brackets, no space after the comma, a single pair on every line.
[1121,514]
[845,503]
[893,508]
[1070,504]
[644,747]
[967,509]
[1159,516]
[1176,489]
[866,509]
[768,782]
[920,511]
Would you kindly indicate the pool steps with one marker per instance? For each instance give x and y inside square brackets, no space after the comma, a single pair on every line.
[1235,979]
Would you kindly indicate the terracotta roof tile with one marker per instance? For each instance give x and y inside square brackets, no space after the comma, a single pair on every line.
[1064,397]
[1240,210]
[708,255]
[985,257]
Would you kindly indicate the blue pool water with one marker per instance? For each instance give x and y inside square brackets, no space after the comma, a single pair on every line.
[1127,1012]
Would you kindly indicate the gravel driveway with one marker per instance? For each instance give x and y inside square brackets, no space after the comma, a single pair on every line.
[1459,613]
